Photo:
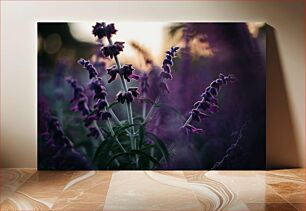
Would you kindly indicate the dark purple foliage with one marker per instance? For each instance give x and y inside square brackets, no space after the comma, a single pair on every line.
[166,73]
[126,71]
[234,155]
[80,100]
[127,96]
[93,132]
[81,103]
[58,150]
[97,86]
[112,50]
[193,129]
[209,102]
[89,67]
[101,30]
[99,108]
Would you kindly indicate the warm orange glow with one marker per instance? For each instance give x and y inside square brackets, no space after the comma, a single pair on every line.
[254,28]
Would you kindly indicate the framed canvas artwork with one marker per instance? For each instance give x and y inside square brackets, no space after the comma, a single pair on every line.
[151,95]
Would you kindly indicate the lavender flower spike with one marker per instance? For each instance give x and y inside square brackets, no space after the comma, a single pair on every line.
[101,30]
[126,71]
[164,75]
[80,100]
[209,103]
[112,50]
[89,67]
[60,146]
[127,96]
[167,63]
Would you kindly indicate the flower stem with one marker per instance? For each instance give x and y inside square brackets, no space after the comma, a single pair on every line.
[99,131]
[187,121]
[152,155]
[144,107]
[115,117]
[103,139]
[151,110]
[129,106]
[109,125]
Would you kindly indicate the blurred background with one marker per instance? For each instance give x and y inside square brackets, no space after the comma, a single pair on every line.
[234,138]
[59,40]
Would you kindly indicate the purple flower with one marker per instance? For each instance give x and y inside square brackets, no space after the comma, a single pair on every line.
[133,91]
[112,50]
[82,106]
[168,61]
[101,30]
[97,86]
[112,71]
[89,67]
[100,104]
[55,127]
[209,102]
[193,129]
[197,115]
[127,96]
[89,120]
[80,100]
[105,115]
[124,96]
[166,73]
[126,71]
[144,84]
[78,90]
[93,132]
[58,148]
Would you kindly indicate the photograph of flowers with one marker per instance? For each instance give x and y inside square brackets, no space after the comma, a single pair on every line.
[151,95]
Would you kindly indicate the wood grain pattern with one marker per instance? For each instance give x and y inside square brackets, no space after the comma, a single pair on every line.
[12,179]
[28,189]
[85,191]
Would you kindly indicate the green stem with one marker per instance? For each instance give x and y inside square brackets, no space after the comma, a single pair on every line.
[152,155]
[115,117]
[99,131]
[151,110]
[103,139]
[112,113]
[144,107]
[109,125]
[128,105]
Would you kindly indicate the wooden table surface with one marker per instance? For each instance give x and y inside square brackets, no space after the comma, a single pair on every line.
[28,189]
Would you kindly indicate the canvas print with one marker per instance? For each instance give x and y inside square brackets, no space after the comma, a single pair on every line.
[151,95]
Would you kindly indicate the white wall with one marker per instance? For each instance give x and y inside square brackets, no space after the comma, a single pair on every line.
[18,60]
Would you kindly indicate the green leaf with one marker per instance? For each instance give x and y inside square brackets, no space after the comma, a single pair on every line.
[160,145]
[139,118]
[141,135]
[116,156]
[131,153]
[102,152]
[121,129]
